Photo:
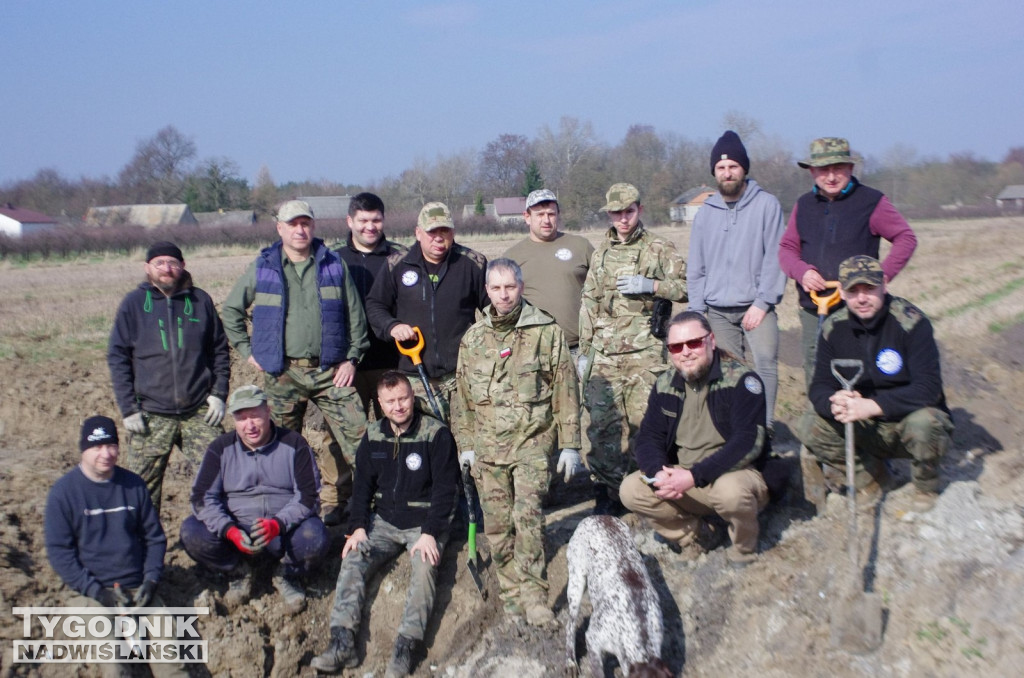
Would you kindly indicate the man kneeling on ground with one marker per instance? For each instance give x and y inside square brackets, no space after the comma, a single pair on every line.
[406,464]
[702,441]
[256,494]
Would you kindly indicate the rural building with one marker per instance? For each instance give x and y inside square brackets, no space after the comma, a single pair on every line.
[147,216]
[16,222]
[1011,197]
[509,211]
[469,211]
[328,206]
[226,218]
[684,207]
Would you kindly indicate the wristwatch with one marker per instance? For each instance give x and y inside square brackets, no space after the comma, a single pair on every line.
[354,361]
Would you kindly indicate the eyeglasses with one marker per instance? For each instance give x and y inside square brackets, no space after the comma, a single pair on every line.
[171,264]
[692,344]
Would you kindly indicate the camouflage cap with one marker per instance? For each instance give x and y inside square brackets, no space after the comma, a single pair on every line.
[435,215]
[829,151]
[246,397]
[293,209]
[539,196]
[860,269]
[619,197]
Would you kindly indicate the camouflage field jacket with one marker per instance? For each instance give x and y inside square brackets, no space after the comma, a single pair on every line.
[613,323]
[517,388]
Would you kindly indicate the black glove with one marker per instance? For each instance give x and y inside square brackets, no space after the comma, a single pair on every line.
[106,597]
[144,594]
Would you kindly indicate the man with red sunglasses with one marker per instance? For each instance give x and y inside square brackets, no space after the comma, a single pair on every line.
[701,444]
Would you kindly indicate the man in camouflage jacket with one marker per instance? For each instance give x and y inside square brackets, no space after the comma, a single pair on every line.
[518,404]
[631,272]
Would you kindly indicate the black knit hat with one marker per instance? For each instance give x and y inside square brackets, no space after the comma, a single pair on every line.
[97,430]
[729,147]
[163,249]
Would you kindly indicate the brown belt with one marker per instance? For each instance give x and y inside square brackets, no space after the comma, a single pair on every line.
[302,362]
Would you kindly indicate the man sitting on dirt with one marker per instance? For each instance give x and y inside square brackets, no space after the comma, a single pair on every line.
[898,404]
[103,534]
[701,444]
[407,472]
[170,367]
[256,495]
[308,336]
[519,404]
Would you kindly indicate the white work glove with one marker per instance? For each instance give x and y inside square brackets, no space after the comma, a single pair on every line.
[215,414]
[634,284]
[135,423]
[467,457]
[569,462]
[581,365]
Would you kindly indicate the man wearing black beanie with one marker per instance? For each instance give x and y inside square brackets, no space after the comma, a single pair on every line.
[169,364]
[733,273]
[103,534]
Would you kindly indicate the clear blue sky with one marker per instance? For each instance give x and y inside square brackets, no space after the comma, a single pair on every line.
[354,91]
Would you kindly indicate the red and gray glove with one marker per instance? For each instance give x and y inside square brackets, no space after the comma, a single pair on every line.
[264,531]
[241,540]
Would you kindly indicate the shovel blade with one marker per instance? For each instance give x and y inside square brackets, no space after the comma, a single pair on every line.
[474,571]
[856,624]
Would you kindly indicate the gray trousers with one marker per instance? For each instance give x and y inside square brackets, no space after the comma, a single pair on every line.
[385,542]
[762,343]
[923,436]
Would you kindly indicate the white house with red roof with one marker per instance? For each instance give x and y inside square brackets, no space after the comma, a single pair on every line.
[16,221]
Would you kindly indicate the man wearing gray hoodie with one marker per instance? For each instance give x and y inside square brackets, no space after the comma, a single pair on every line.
[733,273]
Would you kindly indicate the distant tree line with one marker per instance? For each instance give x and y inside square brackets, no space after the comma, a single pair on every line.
[567,158]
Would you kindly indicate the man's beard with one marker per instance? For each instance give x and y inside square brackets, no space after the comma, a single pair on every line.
[731,189]
[697,374]
[165,287]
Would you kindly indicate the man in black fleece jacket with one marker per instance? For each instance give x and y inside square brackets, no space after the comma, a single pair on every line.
[701,443]
[408,460]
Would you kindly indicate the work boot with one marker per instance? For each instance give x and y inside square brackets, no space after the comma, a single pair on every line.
[604,504]
[335,516]
[539,614]
[401,657]
[239,588]
[292,593]
[340,653]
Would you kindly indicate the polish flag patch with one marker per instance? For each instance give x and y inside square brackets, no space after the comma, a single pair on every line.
[505,352]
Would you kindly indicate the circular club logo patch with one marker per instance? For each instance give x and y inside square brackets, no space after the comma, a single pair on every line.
[563,254]
[888,361]
[752,384]
[414,461]
[409,278]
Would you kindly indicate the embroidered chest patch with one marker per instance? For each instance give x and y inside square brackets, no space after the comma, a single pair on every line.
[414,461]
[889,361]
[409,278]
[505,352]
[563,254]
[752,384]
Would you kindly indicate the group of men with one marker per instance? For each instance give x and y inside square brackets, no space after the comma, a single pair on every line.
[519,356]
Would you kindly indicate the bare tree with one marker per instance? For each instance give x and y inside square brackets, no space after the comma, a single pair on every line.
[158,170]
[264,197]
[503,163]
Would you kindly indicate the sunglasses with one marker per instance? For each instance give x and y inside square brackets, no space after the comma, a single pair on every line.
[692,344]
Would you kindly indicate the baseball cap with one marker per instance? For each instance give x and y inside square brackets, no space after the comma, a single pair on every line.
[246,397]
[435,215]
[829,151]
[860,269]
[620,197]
[293,209]
[97,430]
[539,196]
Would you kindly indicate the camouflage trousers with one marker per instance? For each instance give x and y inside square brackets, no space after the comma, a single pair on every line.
[444,394]
[384,543]
[737,496]
[289,395]
[148,452]
[159,670]
[615,399]
[511,497]
[923,436]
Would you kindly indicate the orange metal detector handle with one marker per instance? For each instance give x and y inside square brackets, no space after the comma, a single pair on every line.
[413,352]
[827,301]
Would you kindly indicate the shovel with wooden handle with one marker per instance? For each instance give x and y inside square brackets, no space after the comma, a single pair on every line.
[857,615]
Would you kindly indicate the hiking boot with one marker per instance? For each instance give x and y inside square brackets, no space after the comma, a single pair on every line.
[401,657]
[923,501]
[604,504]
[239,588]
[335,516]
[292,593]
[340,653]
[538,614]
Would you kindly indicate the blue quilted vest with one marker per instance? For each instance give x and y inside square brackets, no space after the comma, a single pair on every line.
[270,308]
